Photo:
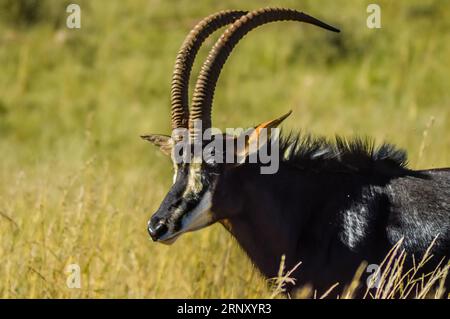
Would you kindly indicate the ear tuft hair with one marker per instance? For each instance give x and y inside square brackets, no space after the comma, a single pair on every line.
[164,142]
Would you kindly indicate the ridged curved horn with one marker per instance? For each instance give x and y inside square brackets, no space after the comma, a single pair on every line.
[185,60]
[210,71]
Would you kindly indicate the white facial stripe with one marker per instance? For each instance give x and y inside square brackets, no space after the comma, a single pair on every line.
[175,167]
[197,218]
[175,172]
[194,180]
[200,216]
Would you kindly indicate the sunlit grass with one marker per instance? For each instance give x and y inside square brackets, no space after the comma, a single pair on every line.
[391,280]
[77,185]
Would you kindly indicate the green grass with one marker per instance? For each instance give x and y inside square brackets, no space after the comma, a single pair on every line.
[77,185]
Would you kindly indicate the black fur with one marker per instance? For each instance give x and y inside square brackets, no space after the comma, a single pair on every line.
[333,205]
[358,155]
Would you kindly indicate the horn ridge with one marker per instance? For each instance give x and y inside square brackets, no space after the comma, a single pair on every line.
[185,60]
[210,71]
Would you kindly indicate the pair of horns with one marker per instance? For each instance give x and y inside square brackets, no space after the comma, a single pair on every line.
[241,22]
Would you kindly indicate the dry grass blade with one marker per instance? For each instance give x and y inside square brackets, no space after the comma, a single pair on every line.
[396,282]
[283,278]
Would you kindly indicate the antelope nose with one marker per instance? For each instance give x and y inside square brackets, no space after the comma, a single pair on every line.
[157,230]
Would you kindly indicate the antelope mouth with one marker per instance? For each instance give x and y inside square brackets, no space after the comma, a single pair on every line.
[169,239]
[190,223]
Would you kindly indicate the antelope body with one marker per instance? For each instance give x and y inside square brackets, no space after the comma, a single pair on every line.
[331,204]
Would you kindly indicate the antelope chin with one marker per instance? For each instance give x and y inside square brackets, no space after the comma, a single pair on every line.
[170,239]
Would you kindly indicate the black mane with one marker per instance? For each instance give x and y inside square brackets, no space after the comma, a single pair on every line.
[356,155]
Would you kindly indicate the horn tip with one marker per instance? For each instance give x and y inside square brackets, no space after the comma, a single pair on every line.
[287,114]
[331,28]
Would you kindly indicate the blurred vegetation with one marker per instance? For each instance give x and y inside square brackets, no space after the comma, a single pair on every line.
[77,185]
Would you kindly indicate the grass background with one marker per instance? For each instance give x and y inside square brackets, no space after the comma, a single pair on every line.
[77,185]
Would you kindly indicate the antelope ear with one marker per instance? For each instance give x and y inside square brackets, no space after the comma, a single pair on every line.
[164,142]
[270,124]
[255,135]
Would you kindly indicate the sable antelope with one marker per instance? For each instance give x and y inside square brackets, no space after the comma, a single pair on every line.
[331,205]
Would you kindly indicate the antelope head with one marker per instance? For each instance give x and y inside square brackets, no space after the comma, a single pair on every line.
[190,203]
